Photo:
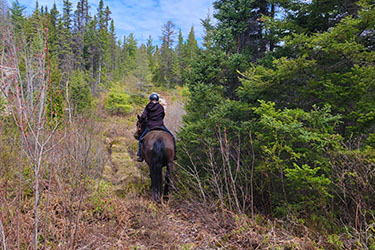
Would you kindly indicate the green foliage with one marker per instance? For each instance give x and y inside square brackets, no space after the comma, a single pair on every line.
[80,93]
[142,70]
[118,102]
[316,91]
[294,145]
[333,68]
[100,199]
[3,103]
[138,99]
[55,107]
[335,241]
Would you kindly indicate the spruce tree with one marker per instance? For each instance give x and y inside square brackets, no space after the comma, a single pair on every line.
[191,45]
[16,15]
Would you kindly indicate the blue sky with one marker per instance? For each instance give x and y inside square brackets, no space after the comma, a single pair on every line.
[144,17]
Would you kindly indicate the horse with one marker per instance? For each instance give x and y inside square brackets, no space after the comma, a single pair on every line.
[158,151]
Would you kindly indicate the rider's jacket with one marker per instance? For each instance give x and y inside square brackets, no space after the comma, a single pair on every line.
[154,112]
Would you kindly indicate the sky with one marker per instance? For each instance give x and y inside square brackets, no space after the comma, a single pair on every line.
[144,17]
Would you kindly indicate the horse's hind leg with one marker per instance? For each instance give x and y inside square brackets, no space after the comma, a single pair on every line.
[168,180]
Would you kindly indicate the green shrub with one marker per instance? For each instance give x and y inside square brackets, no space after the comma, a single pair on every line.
[138,99]
[100,199]
[118,102]
[294,147]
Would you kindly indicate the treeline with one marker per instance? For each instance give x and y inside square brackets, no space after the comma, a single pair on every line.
[280,115]
[86,56]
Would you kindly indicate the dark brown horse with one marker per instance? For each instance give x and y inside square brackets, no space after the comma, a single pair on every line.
[158,151]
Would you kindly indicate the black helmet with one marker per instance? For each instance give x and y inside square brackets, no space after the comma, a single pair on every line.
[154,97]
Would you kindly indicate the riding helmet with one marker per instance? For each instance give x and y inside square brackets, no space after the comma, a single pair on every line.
[154,97]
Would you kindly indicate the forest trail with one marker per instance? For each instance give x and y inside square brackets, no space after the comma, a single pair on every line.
[145,225]
[121,168]
[132,221]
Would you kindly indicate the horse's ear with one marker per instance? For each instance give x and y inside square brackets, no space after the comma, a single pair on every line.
[138,117]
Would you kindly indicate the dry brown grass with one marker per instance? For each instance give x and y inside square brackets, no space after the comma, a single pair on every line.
[113,209]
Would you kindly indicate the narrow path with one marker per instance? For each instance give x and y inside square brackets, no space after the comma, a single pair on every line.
[138,223]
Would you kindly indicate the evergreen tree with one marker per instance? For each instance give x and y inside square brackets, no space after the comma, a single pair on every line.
[142,71]
[65,38]
[67,15]
[239,28]
[113,49]
[167,55]
[16,15]
[168,33]
[107,18]
[53,35]
[91,49]
[180,45]
[101,16]
[150,48]
[191,45]
[130,51]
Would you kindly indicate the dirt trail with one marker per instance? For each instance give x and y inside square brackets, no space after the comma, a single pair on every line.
[121,169]
[145,225]
[138,223]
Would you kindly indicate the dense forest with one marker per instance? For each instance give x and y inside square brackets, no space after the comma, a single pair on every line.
[280,116]
[281,106]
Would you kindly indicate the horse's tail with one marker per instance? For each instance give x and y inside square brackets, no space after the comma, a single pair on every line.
[156,168]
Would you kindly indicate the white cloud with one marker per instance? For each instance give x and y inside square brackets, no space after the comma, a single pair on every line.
[145,17]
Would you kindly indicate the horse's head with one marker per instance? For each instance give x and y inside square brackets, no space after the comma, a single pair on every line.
[140,127]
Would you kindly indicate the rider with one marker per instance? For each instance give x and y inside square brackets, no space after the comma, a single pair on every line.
[154,112]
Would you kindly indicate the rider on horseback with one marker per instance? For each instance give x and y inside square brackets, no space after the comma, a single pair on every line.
[154,113]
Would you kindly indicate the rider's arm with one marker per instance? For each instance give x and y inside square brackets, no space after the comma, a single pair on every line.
[163,110]
[144,115]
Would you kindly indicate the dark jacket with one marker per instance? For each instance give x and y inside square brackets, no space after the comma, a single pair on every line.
[154,112]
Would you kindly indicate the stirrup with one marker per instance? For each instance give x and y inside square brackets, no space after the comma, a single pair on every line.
[139,158]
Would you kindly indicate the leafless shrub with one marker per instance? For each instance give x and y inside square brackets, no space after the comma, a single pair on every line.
[229,178]
[353,177]
[27,93]
[59,164]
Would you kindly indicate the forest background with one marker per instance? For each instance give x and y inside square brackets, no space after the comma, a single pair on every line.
[279,124]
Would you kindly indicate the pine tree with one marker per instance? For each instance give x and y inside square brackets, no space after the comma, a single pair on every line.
[53,42]
[78,35]
[180,53]
[166,54]
[150,48]
[191,45]
[113,49]
[101,15]
[142,71]
[168,33]
[16,15]
[180,45]
[67,15]
[107,18]
[65,38]
[130,51]
[91,49]
[240,29]
[208,38]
